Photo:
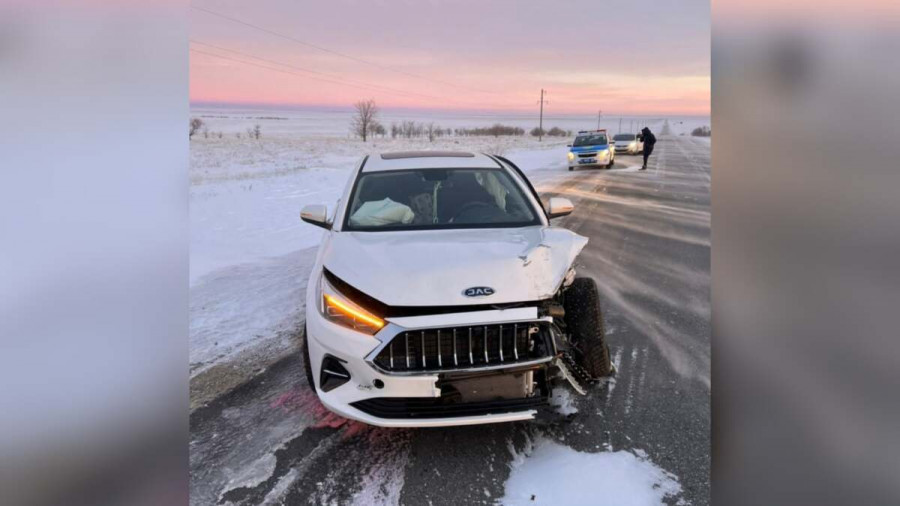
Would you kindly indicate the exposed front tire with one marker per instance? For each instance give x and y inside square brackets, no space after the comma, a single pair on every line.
[584,320]
[612,161]
[306,362]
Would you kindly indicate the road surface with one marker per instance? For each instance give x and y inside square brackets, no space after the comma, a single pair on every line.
[270,441]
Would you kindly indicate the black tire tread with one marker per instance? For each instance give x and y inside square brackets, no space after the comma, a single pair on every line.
[584,319]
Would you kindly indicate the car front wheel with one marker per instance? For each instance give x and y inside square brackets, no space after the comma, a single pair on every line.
[584,320]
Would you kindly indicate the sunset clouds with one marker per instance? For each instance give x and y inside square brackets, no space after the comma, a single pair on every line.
[622,57]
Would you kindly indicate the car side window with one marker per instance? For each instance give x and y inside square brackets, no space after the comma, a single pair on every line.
[521,175]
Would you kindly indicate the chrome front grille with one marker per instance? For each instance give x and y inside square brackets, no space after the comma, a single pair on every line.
[466,347]
[587,155]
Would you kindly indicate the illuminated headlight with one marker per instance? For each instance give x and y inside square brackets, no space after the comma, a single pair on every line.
[603,152]
[337,308]
[632,145]
[571,155]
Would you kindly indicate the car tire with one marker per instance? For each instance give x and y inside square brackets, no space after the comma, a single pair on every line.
[612,161]
[584,320]
[571,168]
[306,363]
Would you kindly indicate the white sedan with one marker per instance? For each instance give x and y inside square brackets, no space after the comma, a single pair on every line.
[629,144]
[442,295]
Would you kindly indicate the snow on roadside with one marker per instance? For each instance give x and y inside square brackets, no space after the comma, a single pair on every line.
[240,306]
[247,220]
[550,473]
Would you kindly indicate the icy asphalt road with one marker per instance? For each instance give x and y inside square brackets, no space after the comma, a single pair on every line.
[270,441]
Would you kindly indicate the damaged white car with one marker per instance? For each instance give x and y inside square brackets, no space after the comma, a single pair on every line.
[442,295]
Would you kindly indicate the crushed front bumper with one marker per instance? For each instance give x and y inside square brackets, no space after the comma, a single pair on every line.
[433,396]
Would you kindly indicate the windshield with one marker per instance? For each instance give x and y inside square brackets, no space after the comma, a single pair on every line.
[624,137]
[437,198]
[590,140]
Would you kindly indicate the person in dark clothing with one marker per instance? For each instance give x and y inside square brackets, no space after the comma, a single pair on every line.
[649,140]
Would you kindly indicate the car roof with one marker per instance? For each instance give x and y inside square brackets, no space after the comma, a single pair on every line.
[402,160]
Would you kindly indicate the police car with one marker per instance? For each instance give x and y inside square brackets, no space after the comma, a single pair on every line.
[591,148]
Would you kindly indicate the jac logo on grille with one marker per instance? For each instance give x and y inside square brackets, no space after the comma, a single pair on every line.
[478,291]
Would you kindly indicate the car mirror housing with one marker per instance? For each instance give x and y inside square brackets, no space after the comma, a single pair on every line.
[316,214]
[560,207]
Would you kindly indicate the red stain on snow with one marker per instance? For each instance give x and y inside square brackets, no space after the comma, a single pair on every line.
[304,401]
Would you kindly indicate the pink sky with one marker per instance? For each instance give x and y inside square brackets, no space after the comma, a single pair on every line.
[622,57]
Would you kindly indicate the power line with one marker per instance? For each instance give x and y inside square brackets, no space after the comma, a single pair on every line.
[337,53]
[280,70]
[352,84]
[331,77]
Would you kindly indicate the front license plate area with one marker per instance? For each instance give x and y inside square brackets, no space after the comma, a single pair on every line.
[587,160]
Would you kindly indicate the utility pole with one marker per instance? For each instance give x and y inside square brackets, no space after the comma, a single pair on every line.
[599,113]
[541,120]
[620,125]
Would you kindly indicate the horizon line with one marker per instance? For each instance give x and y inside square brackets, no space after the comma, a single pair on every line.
[349,107]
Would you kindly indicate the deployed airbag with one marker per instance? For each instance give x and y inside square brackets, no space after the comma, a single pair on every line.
[381,212]
[493,186]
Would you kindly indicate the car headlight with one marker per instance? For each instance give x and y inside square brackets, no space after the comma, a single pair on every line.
[632,145]
[571,155]
[603,152]
[337,308]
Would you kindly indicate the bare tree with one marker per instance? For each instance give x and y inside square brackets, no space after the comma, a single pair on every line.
[430,131]
[376,128]
[195,125]
[366,113]
[256,132]
[408,128]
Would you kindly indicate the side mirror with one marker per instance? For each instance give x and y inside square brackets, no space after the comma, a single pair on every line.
[560,207]
[568,145]
[316,214]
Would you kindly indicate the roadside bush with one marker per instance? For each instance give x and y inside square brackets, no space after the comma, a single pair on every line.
[495,130]
[556,132]
[536,132]
[703,131]
[411,129]
[194,125]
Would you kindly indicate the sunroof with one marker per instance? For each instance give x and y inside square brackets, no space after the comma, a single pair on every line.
[425,154]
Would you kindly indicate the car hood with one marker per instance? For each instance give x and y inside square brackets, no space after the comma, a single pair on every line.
[435,267]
